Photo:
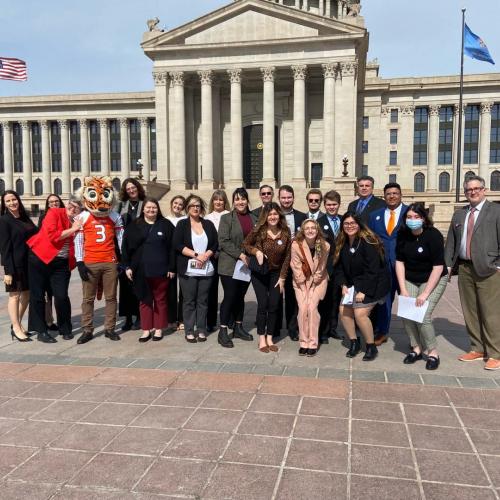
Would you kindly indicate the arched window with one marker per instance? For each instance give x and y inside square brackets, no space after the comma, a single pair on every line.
[419,183]
[20,187]
[444,182]
[58,187]
[117,184]
[468,174]
[38,187]
[495,181]
[77,184]
[2,186]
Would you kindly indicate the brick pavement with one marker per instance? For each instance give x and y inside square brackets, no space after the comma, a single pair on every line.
[199,421]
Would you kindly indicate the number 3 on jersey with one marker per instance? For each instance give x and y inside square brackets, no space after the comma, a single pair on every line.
[101,233]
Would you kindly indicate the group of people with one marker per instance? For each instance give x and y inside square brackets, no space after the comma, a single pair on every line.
[323,266]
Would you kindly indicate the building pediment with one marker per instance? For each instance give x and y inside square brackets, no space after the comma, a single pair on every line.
[249,21]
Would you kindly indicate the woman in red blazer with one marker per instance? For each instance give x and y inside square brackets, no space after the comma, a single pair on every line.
[51,259]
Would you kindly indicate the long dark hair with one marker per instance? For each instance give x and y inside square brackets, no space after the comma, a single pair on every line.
[154,201]
[22,211]
[420,210]
[123,195]
[364,233]
[260,228]
[61,203]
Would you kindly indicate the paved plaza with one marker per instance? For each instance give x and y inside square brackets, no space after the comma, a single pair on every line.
[123,420]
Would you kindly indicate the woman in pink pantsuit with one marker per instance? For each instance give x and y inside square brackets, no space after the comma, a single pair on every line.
[310,252]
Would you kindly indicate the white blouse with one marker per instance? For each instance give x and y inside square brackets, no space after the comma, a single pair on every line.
[215,217]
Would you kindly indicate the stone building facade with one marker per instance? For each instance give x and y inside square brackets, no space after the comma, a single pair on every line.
[258,91]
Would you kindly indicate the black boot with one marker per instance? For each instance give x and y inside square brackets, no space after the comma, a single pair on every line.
[354,348]
[223,337]
[85,337]
[46,338]
[127,326]
[371,352]
[240,333]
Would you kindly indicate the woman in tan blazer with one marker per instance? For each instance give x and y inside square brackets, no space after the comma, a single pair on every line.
[310,252]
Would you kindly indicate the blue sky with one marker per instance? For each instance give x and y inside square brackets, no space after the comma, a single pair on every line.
[94,46]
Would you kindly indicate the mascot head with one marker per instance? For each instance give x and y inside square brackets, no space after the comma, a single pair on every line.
[97,195]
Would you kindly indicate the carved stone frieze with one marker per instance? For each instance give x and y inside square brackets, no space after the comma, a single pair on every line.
[407,110]
[330,70]
[206,76]
[177,78]
[434,109]
[486,107]
[234,75]
[268,73]
[299,71]
[160,77]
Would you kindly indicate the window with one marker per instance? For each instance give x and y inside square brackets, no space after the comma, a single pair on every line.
[116,184]
[75,145]
[17,143]
[2,186]
[38,187]
[114,146]
[394,115]
[393,136]
[421,123]
[364,147]
[419,183]
[393,158]
[77,184]
[471,134]
[36,147]
[366,122]
[58,187]
[135,143]
[364,169]
[55,146]
[444,182]
[495,181]
[393,178]
[445,152]
[495,134]
[152,144]
[468,174]
[95,146]
[316,174]
[20,187]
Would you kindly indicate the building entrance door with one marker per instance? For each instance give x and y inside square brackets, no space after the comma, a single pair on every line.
[253,159]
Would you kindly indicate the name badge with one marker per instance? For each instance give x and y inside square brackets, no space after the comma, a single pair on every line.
[378,217]
[280,242]
[352,250]
[160,233]
[325,227]
[420,250]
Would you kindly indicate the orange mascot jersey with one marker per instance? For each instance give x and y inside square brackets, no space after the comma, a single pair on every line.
[99,237]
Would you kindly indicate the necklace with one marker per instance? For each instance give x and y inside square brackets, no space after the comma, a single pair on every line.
[352,249]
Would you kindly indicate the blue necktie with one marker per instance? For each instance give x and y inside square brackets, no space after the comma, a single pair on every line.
[361,206]
[336,226]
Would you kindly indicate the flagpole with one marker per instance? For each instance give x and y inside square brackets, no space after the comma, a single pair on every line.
[460,105]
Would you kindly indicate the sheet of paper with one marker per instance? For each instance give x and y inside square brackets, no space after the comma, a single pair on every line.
[241,271]
[407,309]
[194,269]
[348,297]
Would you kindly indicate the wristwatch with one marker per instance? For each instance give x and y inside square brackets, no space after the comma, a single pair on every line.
[195,255]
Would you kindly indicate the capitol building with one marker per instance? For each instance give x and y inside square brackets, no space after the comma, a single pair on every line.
[259,91]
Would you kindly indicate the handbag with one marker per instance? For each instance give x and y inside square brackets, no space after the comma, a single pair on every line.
[306,270]
[255,267]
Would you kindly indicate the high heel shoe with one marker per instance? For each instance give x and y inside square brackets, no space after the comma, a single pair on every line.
[14,336]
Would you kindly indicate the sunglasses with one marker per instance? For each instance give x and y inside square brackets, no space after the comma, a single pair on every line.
[313,200]
[266,194]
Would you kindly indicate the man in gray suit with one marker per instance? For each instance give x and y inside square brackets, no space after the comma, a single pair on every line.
[473,246]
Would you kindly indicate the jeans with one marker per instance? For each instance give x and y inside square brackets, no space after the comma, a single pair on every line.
[268,301]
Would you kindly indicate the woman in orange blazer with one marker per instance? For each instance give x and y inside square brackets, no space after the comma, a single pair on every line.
[310,252]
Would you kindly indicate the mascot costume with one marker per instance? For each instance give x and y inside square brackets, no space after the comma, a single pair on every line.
[95,253]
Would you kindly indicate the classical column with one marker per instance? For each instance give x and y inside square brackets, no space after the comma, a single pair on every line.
[321,7]
[178,169]
[84,147]
[65,161]
[27,165]
[161,81]
[46,167]
[297,4]
[305,5]
[145,156]
[236,129]
[207,143]
[104,137]
[124,151]
[328,8]
[432,160]
[299,124]
[7,155]
[484,141]
[405,146]
[268,127]
[329,74]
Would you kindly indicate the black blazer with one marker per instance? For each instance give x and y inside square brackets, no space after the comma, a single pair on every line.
[256,212]
[364,269]
[299,217]
[374,204]
[182,238]
[325,226]
[134,239]
[13,236]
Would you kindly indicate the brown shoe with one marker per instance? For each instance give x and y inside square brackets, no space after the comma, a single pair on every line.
[381,339]
[492,364]
[471,356]
[264,349]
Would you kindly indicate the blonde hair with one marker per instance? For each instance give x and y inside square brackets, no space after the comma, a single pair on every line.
[320,242]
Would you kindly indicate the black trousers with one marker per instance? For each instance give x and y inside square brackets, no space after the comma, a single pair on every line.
[56,274]
[232,307]
[128,303]
[329,309]
[213,301]
[268,301]
[291,309]
[174,305]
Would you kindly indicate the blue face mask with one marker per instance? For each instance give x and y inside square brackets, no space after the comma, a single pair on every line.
[414,224]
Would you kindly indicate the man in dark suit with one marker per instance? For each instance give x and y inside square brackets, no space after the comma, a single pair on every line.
[294,219]
[366,203]
[314,197]
[266,194]
[385,223]
[473,246]
[329,306]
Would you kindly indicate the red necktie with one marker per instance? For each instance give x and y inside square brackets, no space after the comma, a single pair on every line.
[470,230]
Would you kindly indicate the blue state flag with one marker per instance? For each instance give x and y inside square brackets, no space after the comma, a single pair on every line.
[475,47]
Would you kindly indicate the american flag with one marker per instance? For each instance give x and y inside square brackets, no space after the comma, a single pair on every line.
[12,69]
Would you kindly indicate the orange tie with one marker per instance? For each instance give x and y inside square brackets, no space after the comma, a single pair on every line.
[392,223]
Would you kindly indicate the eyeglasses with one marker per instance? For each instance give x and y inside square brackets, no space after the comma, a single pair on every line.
[197,207]
[267,193]
[473,190]
[313,200]
[350,224]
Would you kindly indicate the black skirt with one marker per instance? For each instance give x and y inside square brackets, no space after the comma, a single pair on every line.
[20,281]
